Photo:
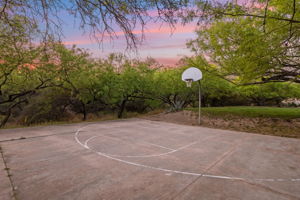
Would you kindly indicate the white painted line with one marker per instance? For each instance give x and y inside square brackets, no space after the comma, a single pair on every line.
[141,156]
[156,145]
[86,142]
[223,177]
[85,145]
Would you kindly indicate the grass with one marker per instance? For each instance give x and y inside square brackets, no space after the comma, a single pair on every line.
[251,112]
[275,121]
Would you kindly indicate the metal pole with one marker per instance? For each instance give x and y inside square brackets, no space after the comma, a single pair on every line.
[199,113]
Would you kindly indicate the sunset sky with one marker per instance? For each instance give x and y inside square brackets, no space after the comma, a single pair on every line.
[161,43]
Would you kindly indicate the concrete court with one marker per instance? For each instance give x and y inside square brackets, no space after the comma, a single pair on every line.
[141,159]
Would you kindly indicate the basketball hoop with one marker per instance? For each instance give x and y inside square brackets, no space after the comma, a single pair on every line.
[190,75]
[188,82]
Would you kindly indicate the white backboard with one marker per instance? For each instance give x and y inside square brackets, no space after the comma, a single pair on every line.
[192,73]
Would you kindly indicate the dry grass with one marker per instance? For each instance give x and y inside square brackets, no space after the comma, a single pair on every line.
[77,119]
[261,125]
[90,118]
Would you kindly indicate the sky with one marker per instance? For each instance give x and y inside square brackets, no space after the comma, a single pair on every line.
[162,43]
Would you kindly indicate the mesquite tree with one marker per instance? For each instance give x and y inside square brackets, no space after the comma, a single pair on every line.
[252,50]
[20,77]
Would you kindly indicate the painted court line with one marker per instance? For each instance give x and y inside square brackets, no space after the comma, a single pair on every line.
[142,156]
[85,145]
[156,145]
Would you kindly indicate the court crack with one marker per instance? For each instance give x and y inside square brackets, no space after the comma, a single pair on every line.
[34,137]
[220,159]
[267,188]
[9,175]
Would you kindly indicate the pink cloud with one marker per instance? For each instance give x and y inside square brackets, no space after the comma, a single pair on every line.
[167,46]
[164,44]
[82,41]
[189,28]
[178,29]
[168,61]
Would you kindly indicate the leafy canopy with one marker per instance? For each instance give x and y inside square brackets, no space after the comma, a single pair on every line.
[252,50]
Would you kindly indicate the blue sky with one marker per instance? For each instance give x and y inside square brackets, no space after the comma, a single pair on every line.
[161,43]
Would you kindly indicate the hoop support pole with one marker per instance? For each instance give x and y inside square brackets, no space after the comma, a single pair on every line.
[199,109]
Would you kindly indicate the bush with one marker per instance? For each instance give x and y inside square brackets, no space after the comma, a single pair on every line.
[49,105]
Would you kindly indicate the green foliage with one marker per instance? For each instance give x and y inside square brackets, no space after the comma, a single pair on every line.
[218,92]
[270,93]
[69,81]
[215,90]
[171,90]
[111,82]
[133,83]
[40,84]
[247,50]
[48,105]
[19,76]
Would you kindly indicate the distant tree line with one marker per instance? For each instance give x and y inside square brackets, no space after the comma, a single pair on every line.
[50,84]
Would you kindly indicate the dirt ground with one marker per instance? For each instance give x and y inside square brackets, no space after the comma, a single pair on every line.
[265,126]
[138,159]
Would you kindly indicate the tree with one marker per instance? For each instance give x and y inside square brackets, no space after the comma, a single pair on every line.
[242,51]
[49,104]
[130,82]
[76,74]
[170,90]
[269,93]
[286,11]
[109,83]
[20,78]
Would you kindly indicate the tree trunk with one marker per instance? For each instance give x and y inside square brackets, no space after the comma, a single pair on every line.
[3,122]
[83,111]
[122,108]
